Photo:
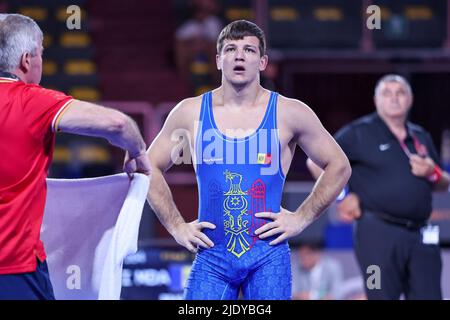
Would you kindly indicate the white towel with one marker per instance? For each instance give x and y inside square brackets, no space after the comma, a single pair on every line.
[89,227]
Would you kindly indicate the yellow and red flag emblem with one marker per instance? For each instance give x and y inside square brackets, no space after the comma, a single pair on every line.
[264,158]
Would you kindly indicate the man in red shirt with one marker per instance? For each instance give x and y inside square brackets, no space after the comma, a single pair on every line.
[29,118]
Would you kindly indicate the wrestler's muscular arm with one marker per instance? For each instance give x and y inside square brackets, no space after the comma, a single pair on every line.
[320,146]
[161,154]
[348,209]
[306,131]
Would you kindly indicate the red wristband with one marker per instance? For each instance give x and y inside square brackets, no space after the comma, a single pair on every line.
[436,175]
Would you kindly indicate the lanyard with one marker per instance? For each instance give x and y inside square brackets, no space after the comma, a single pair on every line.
[420,148]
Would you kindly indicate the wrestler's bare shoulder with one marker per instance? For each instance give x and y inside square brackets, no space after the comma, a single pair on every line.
[292,112]
[186,112]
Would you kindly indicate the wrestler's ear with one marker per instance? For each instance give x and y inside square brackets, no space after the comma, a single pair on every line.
[218,63]
[264,60]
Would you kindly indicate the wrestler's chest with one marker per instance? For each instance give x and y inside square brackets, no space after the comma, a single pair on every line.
[239,120]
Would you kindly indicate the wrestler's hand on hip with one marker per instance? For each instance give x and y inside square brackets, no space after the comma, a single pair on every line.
[138,164]
[285,223]
[349,209]
[190,235]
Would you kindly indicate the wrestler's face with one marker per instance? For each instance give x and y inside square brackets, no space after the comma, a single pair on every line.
[393,99]
[240,60]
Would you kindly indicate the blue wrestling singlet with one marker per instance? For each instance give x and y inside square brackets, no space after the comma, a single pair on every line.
[238,177]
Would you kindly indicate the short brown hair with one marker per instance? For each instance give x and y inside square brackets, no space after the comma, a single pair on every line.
[239,29]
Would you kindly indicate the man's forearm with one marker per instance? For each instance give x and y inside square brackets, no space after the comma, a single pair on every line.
[130,139]
[161,200]
[327,188]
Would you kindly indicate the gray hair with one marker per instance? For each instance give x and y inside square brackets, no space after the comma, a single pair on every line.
[393,78]
[18,35]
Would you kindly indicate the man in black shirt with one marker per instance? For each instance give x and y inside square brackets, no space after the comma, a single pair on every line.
[394,171]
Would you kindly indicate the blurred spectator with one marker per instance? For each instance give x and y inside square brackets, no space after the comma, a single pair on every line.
[315,276]
[196,45]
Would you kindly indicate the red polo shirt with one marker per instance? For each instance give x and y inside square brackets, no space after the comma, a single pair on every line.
[28,118]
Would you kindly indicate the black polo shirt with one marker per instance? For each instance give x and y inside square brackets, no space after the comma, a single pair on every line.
[381,173]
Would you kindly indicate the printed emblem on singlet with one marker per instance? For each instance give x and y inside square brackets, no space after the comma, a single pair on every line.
[236,223]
